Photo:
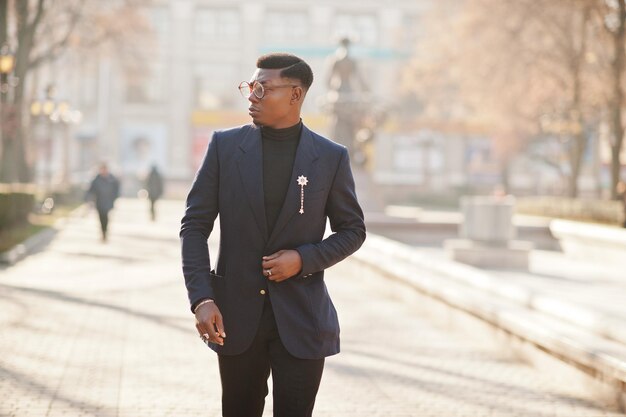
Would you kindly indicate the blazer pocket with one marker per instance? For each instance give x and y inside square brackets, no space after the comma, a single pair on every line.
[217,281]
[212,274]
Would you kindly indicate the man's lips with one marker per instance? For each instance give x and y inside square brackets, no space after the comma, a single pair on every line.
[252,110]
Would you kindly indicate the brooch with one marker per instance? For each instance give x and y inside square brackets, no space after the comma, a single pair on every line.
[302,181]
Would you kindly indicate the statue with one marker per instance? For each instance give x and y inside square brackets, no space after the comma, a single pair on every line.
[343,72]
[345,98]
[355,119]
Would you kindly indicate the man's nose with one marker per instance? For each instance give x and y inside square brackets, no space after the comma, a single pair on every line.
[252,98]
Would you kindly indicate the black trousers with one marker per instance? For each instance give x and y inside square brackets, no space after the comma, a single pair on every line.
[244,377]
[104,221]
[153,209]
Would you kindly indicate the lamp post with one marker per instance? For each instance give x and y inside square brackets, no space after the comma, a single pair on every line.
[7,118]
[7,63]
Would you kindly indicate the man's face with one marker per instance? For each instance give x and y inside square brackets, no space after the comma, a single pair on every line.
[278,108]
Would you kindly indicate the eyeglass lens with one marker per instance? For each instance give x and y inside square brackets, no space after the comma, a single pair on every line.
[245,88]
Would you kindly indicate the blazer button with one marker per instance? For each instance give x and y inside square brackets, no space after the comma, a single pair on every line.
[262,292]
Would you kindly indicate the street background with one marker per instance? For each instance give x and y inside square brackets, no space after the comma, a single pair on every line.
[486,139]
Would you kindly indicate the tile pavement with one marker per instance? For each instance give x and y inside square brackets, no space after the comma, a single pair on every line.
[92,329]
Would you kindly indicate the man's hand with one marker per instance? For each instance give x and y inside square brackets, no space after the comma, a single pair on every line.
[282,265]
[209,321]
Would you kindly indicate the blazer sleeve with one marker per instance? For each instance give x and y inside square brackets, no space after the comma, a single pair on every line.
[346,221]
[197,224]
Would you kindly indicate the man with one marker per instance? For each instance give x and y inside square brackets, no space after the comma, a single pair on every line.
[104,189]
[273,183]
[154,186]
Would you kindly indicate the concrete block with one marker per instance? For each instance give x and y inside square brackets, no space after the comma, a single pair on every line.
[488,219]
[513,254]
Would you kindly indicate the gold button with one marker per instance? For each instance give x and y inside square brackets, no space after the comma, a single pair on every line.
[262,292]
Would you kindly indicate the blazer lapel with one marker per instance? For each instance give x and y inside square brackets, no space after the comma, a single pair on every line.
[251,172]
[306,155]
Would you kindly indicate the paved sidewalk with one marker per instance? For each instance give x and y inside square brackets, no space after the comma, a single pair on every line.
[589,294]
[585,292]
[596,286]
[92,329]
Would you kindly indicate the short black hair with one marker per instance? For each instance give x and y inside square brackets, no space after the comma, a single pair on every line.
[291,65]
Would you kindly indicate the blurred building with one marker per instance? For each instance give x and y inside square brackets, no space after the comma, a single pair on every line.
[157,102]
[164,110]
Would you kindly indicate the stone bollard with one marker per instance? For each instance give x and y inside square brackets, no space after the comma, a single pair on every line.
[487,233]
[488,219]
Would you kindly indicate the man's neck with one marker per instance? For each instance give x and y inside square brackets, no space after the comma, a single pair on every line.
[286,123]
[291,132]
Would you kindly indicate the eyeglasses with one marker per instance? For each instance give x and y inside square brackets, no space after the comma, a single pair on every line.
[245,88]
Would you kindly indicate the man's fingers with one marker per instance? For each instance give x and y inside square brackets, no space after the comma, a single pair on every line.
[214,333]
[207,335]
[199,329]
[269,264]
[220,326]
[273,255]
[272,271]
[274,277]
[212,329]
[273,265]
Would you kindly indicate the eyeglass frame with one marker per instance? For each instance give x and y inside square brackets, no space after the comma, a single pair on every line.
[251,88]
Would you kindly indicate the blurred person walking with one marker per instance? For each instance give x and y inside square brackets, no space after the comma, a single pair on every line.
[104,190]
[273,183]
[154,186]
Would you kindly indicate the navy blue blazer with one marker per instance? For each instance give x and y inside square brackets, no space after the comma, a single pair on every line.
[230,183]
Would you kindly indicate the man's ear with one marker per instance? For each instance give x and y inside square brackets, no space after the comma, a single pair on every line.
[297,94]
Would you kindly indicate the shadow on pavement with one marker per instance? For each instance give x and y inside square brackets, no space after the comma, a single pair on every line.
[160,320]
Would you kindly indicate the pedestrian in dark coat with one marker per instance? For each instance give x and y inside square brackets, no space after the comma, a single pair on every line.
[154,186]
[104,190]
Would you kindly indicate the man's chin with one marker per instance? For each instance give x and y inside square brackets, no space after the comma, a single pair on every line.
[256,121]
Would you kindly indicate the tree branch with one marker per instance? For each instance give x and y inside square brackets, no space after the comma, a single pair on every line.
[38,16]
[56,49]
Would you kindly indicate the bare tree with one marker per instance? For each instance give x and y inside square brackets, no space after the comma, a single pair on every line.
[514,62]
[43,31]
[611,16]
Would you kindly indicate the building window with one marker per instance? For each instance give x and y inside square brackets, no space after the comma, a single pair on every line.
[286,26]
[363,26]
[212,25]
[215,86]
[159,22]
[147,86]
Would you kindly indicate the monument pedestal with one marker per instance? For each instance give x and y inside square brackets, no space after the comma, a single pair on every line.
[513,254]
[487,234]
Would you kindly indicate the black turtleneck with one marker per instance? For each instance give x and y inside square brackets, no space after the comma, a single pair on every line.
[279,151]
